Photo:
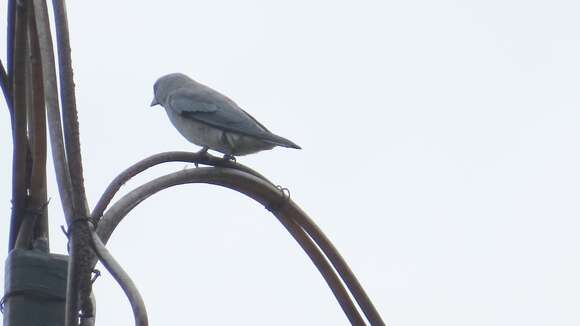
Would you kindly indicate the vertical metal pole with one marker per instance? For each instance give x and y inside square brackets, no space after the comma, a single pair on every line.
[35,288]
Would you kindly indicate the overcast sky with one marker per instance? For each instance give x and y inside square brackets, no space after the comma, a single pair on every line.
[440,153]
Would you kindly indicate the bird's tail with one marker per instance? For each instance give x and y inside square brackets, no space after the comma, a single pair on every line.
[280,141]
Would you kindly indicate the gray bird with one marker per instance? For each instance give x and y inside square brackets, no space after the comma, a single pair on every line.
[211,120]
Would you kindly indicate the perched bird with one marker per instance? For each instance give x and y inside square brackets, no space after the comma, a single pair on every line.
[211,120]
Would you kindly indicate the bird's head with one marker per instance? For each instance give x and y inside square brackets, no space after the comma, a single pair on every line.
[165,85]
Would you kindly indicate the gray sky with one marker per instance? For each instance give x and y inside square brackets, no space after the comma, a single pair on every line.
[441,155]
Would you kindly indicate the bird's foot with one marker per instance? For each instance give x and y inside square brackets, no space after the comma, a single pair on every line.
[229,157]
[201,152]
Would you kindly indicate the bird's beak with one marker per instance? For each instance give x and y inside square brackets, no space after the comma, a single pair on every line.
[154,102]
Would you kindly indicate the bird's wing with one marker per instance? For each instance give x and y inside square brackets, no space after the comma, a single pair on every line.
[214,109]
[185,101]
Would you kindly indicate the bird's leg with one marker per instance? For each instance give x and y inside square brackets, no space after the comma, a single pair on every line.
[201,152]
[229,157]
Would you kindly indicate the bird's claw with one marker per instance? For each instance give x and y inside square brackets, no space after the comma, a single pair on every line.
[230,158]
[202,152]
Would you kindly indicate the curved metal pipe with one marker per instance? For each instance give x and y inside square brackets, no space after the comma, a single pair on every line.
[156,159]
[288,213]
[123,279]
